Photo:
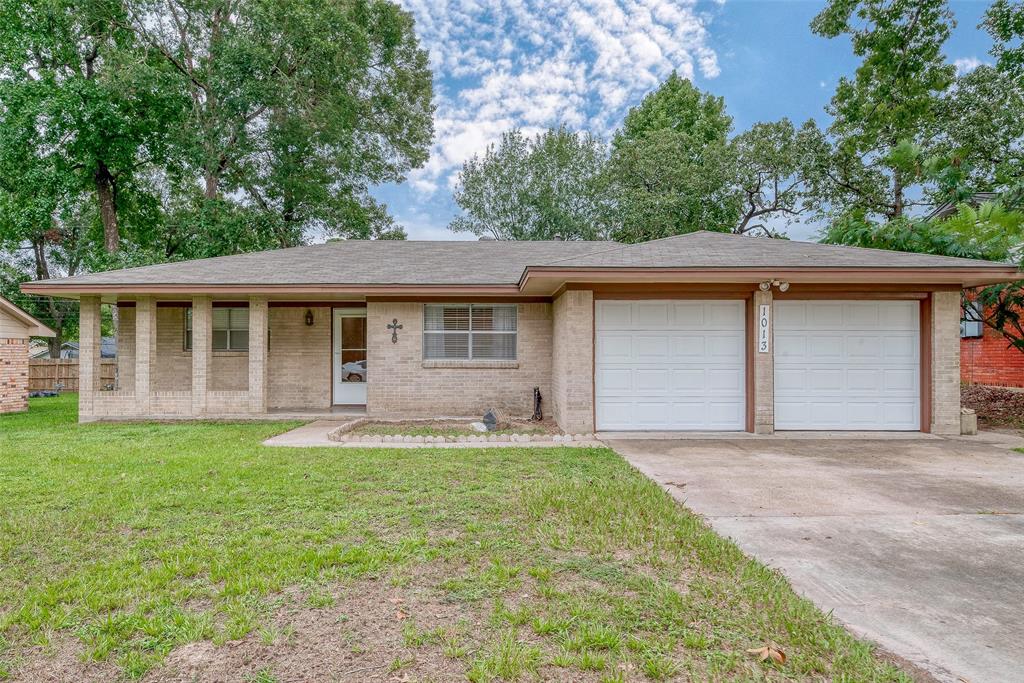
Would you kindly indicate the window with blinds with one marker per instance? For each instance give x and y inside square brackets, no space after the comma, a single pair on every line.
[469,332]
[230,329]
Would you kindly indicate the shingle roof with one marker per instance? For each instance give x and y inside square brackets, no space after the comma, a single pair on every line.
[361,262]
[725,250]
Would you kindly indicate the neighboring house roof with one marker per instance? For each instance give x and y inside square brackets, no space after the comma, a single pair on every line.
[361,265]
[69,349]
[35,328]
[947,209]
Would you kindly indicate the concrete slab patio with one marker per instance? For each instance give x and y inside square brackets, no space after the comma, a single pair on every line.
[917,544]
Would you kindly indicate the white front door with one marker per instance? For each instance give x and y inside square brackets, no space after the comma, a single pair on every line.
[350,371]
[671,365]
[847,365]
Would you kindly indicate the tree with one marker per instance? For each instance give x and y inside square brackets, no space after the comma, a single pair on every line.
[535,188]
[671,168]
[881,117]
[774,173]
[296,108]
[77,72]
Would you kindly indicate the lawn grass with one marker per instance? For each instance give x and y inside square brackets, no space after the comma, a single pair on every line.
[133,540]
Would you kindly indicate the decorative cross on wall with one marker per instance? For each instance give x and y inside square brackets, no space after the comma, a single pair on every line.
[394,327]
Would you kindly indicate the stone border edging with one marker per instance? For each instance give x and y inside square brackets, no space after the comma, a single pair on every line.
[342,434]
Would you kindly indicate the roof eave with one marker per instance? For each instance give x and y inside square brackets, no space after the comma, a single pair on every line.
[538,278]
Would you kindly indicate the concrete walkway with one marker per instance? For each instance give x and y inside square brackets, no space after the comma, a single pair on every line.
[916,544]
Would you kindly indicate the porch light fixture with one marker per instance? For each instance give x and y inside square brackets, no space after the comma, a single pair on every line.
[782,285]
[309,318]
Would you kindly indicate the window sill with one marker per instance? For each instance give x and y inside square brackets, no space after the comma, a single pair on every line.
[478,364]
[188,352]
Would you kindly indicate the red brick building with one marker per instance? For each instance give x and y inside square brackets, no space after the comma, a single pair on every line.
[986,356]
[16,327]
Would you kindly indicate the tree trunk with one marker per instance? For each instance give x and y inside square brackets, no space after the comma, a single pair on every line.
[212,186]
[105,190]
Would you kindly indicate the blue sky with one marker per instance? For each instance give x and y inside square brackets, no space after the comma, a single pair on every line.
[536,63]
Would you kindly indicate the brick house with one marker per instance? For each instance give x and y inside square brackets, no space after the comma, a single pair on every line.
[16,329]
[986,356]
[705,331]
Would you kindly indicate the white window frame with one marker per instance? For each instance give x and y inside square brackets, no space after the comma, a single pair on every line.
[971,325]
[230,329]
[470,332]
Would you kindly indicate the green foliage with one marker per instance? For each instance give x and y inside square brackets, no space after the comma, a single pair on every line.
[775,172]
[298,107]
[671,169]
[882,116]
[535,188]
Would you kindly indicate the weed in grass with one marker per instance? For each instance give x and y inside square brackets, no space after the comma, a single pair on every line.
[399,663]
[507,658]
[264,675]
[659,667]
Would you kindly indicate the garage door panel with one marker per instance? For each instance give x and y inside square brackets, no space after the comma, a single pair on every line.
[651,315]
[686,380]
[790,380]
[725,347]
[824,347]
[688,315]
[615,347]
[859,316]
[678,365]
[723,316]
[861,347]
[651,381]
[901,381]
[900,315]
[863,379]
[847,365]
[724,380]
[687,347]
[828,317]
[826,380]
[900,348]
[615,381]
[789,344]
[650,348]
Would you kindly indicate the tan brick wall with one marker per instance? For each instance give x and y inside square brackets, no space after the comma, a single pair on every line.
[572,353]
[400,384]
[13,374]
[945,340]
[764,368]
[300,359]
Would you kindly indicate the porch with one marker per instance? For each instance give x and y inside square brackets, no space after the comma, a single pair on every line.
[201,358]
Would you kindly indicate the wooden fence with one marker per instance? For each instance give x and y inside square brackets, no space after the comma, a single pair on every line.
[44,374]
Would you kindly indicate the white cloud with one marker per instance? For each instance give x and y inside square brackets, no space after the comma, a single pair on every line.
[966,65]
[537,63]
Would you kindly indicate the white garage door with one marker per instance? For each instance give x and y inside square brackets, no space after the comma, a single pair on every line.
[847,365]
[670,365]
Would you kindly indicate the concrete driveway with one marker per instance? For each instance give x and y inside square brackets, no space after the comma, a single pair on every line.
[917,544]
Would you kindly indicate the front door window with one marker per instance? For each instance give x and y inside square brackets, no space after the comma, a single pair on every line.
[350,368]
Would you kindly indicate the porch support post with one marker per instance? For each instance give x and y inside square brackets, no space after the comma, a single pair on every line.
[88,356]
[258,347]
[145,351]
[764,366]
[202,343]
[945,342]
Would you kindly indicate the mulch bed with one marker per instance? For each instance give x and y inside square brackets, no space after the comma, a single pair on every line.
[996,407]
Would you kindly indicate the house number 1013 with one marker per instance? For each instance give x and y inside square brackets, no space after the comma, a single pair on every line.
[762,328]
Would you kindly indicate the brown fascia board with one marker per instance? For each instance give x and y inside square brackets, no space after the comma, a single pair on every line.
[965,277]
[72,290]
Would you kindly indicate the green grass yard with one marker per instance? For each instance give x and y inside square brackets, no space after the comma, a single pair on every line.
[190,551]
